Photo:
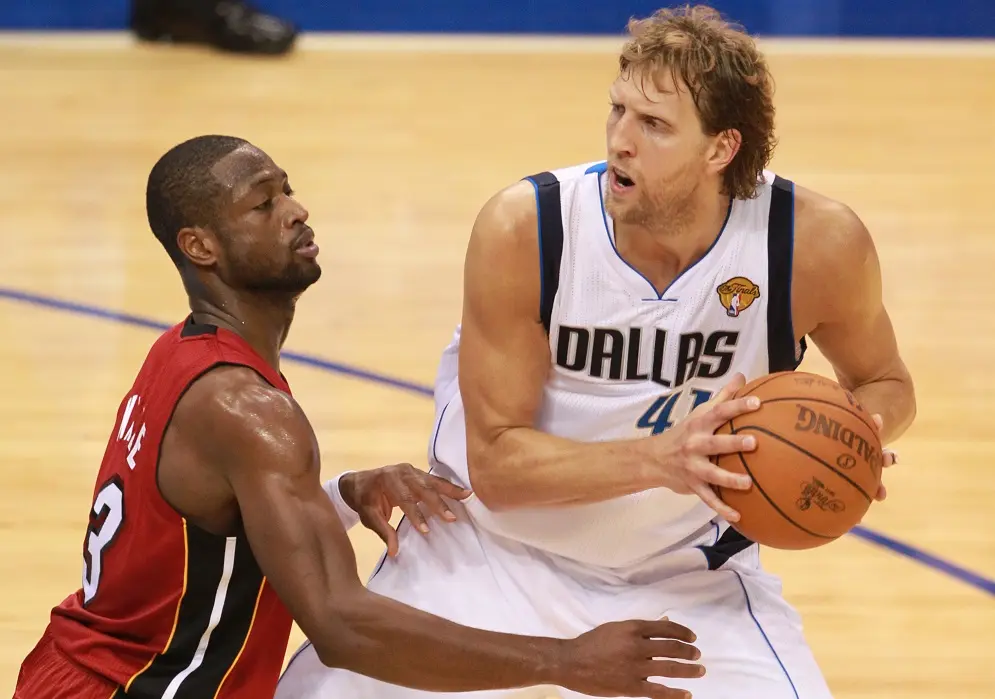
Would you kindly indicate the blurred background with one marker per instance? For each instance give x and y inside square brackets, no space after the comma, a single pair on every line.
[396,120]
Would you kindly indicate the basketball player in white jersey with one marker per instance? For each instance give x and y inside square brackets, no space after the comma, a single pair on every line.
[598,331]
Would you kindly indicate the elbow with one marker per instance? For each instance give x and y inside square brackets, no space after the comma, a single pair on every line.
[338,641]
[912,407]
[329,654]
[485,481]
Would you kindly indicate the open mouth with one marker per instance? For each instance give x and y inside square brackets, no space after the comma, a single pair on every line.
[622,181]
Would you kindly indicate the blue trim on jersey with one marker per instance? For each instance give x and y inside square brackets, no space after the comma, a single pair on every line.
[542,267]
[799,354]
[659,294]
[749,608]
[304,646]
[438,428]
[597,167]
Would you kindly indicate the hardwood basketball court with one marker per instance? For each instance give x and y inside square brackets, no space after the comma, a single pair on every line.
[393,146]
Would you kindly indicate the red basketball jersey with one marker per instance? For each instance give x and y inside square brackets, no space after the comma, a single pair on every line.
[168,610]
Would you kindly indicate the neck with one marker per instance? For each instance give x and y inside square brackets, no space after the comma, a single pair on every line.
[667,245]
[261,319]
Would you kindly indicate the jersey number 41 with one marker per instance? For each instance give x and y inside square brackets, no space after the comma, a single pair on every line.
[660,416]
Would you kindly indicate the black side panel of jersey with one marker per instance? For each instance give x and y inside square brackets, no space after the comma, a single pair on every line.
[222,587]
[782,353]
[728,545]
[547,189]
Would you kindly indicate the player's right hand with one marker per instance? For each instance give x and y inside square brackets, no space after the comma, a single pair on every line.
[617,659]
[688,445]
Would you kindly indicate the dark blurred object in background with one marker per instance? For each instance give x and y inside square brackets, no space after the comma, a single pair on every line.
[229,25]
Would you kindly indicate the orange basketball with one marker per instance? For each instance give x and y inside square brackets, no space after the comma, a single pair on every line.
[816,467]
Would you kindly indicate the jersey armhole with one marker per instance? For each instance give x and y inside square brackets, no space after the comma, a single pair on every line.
[550,232]
[169,509]
[783,353]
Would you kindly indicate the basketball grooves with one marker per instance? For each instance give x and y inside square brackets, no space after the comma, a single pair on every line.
[773,504]
[762,383]
[806,453]
[756,484]
[824,402]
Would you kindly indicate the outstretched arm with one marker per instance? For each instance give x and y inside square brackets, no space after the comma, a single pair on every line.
[258,440]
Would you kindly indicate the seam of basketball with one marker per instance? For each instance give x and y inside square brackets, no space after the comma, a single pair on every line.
[824,402]
[774,504]
[766,381]
[732,430]
[808,454]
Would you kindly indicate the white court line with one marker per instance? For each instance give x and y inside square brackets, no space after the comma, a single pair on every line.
[522,44]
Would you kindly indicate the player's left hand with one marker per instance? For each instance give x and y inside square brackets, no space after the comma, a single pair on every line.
[375,493]
[888,458]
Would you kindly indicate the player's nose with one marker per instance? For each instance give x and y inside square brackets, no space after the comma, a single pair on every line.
[619,138]
[296,214]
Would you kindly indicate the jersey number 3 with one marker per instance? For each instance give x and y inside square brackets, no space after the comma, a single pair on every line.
[659,416]
[106,519]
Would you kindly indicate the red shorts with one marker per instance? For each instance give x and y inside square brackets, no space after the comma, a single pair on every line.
[48,674]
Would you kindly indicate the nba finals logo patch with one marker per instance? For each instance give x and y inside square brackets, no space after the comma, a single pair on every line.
[737,294]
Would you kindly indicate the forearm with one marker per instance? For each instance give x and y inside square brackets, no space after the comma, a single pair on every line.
[524,467]
[894,400]
[384,639]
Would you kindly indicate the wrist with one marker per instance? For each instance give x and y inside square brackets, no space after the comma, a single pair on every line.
[648,459]
[554,662]
[341,491]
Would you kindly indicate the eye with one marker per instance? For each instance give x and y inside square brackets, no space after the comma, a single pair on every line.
[265,206]
[617,108]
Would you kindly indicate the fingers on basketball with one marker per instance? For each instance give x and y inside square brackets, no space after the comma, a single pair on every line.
[817,466]
[709,497]
[725,393]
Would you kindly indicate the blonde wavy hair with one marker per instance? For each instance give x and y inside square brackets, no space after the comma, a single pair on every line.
[726,75]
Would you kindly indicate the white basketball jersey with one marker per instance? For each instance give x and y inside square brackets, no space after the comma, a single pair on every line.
[630,360]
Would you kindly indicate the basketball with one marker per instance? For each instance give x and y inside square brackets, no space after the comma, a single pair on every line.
[816,467]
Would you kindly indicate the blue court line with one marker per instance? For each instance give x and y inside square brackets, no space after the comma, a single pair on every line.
[911,552]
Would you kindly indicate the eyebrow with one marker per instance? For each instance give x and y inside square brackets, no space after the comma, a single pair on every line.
[266,176]
[643,112]
[245,188]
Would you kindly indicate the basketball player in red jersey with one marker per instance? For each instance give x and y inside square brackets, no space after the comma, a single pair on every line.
[210,530]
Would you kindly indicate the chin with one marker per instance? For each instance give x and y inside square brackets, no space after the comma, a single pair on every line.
[622,213]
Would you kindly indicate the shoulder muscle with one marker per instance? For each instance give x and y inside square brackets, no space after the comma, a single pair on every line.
[836,266]
[236,420]
[502,256]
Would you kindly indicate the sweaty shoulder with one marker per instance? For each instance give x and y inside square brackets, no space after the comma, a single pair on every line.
[229,421]
[835,262]
[236,398]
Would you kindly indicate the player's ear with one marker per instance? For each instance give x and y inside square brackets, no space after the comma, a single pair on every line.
[199,245]
[724,148]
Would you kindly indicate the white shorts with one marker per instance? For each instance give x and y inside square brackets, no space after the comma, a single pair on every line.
[751,640]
